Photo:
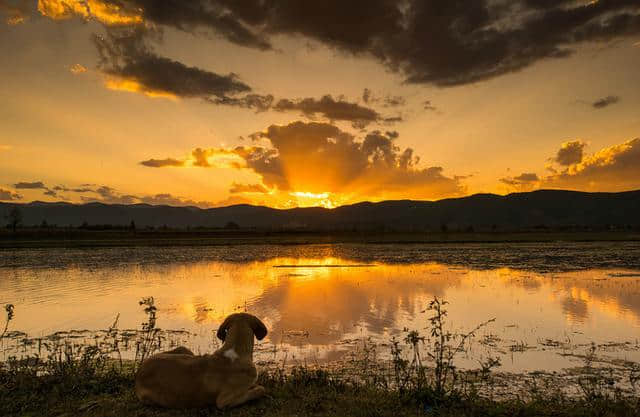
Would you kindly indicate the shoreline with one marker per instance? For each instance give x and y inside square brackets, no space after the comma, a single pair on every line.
[119,238]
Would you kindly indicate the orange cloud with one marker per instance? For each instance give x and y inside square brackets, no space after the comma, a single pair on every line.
[615,168]
[107,13]
[133,86]
[78,69]
[310,164]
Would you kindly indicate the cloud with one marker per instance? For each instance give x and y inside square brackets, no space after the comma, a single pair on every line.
[615,168]
[248,188]
[109,195]
[167,199]
[15,12]
[29,185]
[523,182]
[160,163]
[429,42]
[5,147]
[570,153]
[37,185]
[611,169]
[131,65]
[103,194]
[77,69]
[318,159]
[8,195]
[331,109]
[106,12]
[605,101]
[82,189]
[427,105]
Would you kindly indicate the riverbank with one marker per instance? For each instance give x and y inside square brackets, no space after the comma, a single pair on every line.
[61,237]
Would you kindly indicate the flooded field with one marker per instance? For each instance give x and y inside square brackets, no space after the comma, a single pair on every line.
[552,303]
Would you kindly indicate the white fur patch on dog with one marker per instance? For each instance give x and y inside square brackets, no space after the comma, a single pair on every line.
[231,354]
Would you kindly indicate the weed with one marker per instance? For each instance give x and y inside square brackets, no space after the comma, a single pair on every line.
[9,311]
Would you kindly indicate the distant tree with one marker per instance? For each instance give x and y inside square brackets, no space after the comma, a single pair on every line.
[15,218]
[84,225]
[470,229]
[232,226]
[444,228]
[132,226]
[44,224]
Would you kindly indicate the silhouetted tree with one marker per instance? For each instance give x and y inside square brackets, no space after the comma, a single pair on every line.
[232,226]
[444,228]
[44,224]
[132,226]
[15,218]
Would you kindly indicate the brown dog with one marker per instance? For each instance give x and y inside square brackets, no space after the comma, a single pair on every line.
[180,379]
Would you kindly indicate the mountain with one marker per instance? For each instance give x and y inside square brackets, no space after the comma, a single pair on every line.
[518,211]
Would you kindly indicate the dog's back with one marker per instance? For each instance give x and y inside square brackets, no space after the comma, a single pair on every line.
[185,381]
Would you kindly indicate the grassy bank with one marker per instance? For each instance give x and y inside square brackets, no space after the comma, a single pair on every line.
[85,391]
[35,238]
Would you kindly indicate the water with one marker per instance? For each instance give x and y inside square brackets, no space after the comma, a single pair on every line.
[321,302]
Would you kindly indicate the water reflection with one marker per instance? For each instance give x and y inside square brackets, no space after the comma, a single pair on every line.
[315,304]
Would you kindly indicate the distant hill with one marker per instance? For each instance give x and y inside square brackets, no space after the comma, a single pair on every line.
[534,210]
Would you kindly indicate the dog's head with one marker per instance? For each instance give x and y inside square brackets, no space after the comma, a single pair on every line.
[258,327]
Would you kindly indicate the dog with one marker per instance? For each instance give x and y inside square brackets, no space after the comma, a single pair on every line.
[226,378]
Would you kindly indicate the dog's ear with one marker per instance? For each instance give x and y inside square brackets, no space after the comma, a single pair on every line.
[258,327]
[222,330]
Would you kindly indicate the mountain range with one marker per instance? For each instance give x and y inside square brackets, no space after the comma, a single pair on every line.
[518,211]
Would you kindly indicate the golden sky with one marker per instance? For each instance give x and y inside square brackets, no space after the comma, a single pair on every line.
[217,102]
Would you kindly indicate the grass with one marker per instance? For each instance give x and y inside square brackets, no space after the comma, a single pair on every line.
[93,380]
[301,392]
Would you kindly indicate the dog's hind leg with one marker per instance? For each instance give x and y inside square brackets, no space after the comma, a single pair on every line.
[233,398]
[180,350]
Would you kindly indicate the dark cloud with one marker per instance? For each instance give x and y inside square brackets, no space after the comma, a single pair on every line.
[527,177]
[194,14]
[8,195]
[37,185]
[103,194]
[366,95]
[258,102]
[166,199]
[160,163]
[30,185]
[82,189]
[387,101]
[444,43]
[109,195]
[570,153]
[15,11]
[427,105]
[248,188]
[328,107]
[605,101]
[394,101]
[523,182]
[125,55]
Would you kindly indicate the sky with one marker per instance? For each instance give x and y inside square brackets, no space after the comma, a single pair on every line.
[286,103]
